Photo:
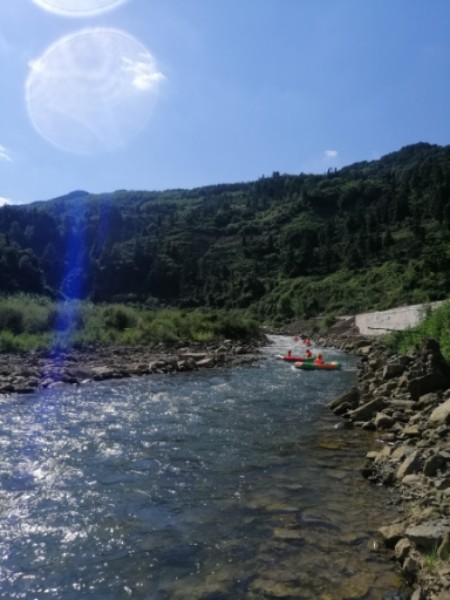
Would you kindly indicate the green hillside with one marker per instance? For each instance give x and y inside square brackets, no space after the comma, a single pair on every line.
[369,236]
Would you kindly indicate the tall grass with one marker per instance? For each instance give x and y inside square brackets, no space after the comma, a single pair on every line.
[29,322]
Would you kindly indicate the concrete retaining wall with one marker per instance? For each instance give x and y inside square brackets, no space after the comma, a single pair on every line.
[395,319]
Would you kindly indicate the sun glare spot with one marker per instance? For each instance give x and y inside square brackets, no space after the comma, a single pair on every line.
[92,91]
[78,8]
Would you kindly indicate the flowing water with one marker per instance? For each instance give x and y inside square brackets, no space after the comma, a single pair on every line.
[226,484]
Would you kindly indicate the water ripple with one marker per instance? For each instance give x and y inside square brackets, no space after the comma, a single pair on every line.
[231,484]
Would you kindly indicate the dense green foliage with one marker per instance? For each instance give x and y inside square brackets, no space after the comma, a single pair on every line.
[33,322]
[369,236]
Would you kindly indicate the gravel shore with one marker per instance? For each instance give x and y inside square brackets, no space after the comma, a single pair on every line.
[24,373]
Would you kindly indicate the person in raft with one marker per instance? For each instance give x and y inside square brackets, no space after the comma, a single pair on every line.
[289,352]
[319,359]
[308,353]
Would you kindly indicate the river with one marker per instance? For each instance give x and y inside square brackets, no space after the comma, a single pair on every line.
[216,485]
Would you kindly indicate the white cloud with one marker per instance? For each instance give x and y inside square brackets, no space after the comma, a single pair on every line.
[4,201]
[143,73]
[331,153]
[4,154]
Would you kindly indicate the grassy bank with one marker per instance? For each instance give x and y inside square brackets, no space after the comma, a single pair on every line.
[32,322]
[436,325]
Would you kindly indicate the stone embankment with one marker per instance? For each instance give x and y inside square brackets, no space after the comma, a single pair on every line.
[405,400]
[24,373]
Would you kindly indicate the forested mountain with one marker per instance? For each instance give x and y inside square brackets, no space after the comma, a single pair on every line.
[368,236]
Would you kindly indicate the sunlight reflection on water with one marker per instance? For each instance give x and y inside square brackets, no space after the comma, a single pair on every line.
[230,484]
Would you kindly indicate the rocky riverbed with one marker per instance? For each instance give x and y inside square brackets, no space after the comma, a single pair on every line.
[24,373]
[405,400]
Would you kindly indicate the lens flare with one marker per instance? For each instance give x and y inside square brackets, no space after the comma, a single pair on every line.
[92,91]
[78,8]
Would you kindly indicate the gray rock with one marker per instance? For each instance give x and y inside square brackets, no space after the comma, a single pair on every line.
[100,373]
[350,398]
[431,382]
[208,361]
[342,409]
[383,421]
[411,431]
[428,400]
[444,549]
[411,565]
[435,463]
[186,365]
[412,479]
[156,365]
[403,405]
[442,484]
[411,464]
[391,534]
[402,549]
[401,452]
[192,356]
[429,535]
[441,413]
[368,410]
[394,369]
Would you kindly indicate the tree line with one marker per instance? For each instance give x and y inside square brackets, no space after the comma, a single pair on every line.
[368,236]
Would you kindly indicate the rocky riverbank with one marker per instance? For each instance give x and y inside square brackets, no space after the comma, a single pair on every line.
[405,400]
[24,373]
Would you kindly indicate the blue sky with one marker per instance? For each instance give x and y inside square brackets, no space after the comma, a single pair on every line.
[161,94]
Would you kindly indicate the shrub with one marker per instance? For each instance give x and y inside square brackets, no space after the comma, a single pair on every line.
[118,317]
[11,319]
[8,342]
[235,325]
[66,317]
[28,322]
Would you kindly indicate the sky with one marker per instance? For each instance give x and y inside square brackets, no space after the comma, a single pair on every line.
[101,95]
